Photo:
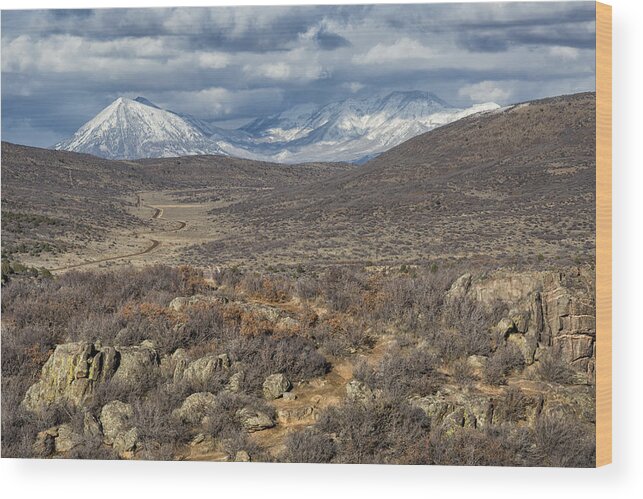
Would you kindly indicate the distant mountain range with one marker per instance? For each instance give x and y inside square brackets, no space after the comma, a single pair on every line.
[352,130]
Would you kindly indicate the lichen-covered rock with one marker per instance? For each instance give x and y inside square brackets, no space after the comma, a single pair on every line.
[45,443]
[67,438]
[471,410]
[254,420]
[275,386]
[358,391]
[436,407]
[115,418]
[203,371]
[126,441]
[195,408]
[526,345]
[235,382]
[477,409]
[91,427]
[70,375]
[63,438]
[545,309]
[136,363]
[74,370]
[505,327]
[298,414]
[459,288]
[180,303]
[242,456]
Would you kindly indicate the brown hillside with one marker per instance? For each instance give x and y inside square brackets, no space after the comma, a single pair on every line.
[513,186]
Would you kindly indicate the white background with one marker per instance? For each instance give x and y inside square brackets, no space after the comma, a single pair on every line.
[624,478]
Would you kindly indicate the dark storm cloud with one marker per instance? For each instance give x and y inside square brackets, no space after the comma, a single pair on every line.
[60,67]
[330,41]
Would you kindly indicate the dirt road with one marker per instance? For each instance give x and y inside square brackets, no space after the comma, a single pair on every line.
[154,243]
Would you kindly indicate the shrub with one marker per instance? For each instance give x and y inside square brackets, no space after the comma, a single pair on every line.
[513,407]
[469,447]
[462,372]
[401,373]
[160,436]
[309,446]
[222,421]
[505,359]
[340,338]
[384,431]
[551,367]
[342,289]
[307,289]
[294,356]
[562,441]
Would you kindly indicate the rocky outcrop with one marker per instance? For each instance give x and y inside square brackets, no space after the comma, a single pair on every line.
[201,371]
[196,408]
[74,370]
[546,309]
[254,420]
[275,386]
[256,317]
[71,374]
[116,420]
[298,414]
[63,438]
[235,383]
[242,456]
[57,440]
[135,364]
[180,303]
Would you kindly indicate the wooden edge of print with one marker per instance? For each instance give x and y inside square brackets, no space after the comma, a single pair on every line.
[603,234]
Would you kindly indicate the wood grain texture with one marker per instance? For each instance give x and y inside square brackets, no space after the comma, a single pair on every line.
[603,234]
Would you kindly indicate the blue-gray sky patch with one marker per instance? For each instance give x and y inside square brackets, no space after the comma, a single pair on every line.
[230,64]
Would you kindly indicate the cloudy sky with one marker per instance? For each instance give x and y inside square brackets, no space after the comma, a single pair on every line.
[59,68]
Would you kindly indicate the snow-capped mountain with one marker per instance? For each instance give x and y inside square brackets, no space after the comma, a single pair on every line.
[137,128]
[353,129]
[348,130]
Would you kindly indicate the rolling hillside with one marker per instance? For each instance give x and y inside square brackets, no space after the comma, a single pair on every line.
[514,186]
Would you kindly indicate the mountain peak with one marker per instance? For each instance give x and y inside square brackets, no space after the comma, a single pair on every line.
[346,130]
[137,128]
[145,101]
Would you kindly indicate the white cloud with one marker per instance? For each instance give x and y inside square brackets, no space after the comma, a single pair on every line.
[63,53]
[564,52]
[404,48]
[299,65]
[354,86]
[485,91]
[212,60]
[217,102]
[276,71]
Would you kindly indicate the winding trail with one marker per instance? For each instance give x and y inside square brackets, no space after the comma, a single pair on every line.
[154,243]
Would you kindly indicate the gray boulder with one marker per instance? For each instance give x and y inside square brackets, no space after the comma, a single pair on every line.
[136,363]
[116,420]
[275,386]
[202,371]
[74,370]
[70,375]
[180,303]
[254,420]
[196,408]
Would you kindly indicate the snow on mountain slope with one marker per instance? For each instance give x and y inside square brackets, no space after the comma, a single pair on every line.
[354,129]
[348,130]
[136,128]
